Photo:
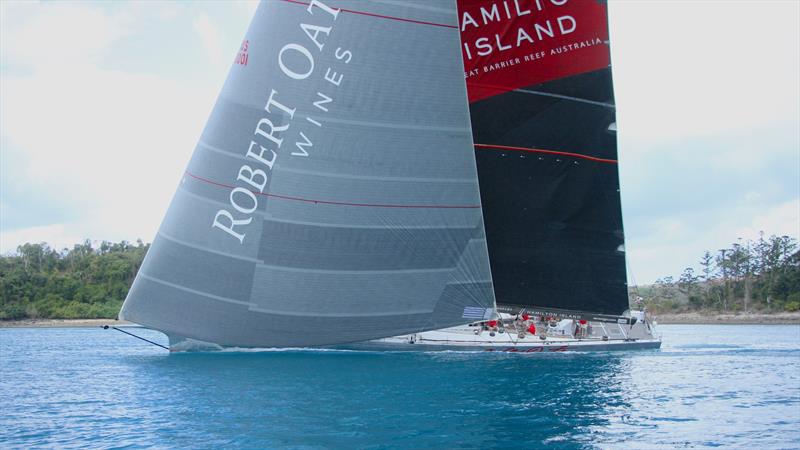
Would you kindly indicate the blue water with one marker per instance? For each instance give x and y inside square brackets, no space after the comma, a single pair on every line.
[716,386]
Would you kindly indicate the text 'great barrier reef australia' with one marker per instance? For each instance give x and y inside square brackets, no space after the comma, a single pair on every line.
[511,44]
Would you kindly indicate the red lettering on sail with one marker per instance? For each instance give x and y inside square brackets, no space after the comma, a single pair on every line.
[241,56]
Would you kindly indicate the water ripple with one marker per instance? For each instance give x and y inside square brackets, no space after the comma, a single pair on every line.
[708,387]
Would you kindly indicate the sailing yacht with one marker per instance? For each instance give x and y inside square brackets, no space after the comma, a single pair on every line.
[544,130]
[350,188]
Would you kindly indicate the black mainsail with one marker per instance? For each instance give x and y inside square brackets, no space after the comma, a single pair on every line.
[543,118]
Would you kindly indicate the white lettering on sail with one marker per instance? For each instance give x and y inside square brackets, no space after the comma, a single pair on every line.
[467,19]
[260,155]
[272,102]
[321,103]
[272,129]
[492,17]
[232,223]
[247,193]
[332,77]
[300,146]
[561,21]
[252,173]
[296,61]
[317,34]
[313,31]
[322,6]
[519,12]
[243,199]
[342,54]
[302,51]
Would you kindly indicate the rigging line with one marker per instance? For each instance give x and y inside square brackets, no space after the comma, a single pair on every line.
[550,152]
[330,202]
[105,327]
[381,16]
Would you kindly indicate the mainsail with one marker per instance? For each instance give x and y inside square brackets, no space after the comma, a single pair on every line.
[542,104]
[333,194]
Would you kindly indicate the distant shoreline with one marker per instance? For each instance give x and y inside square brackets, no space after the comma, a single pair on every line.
[62,323]
[785,318]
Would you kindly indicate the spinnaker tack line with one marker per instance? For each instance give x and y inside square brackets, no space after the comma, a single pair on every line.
[106,327]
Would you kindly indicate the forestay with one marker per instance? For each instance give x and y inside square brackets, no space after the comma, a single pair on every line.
[333,194]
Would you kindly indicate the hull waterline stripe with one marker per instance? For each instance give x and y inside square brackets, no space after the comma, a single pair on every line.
[381,16]
[328,202]
[549,152]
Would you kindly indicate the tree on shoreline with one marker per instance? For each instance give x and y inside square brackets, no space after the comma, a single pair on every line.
[763,275]
[83,282]
[91,281]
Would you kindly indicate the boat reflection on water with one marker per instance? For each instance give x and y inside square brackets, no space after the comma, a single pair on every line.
[410,399]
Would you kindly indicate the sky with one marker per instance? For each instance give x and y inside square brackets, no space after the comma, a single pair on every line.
[97,97]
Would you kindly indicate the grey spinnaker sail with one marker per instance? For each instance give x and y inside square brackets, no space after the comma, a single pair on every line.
[333,195]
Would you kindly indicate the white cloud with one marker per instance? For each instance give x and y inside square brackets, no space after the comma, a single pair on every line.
[672,244]
[703,68]
[210,37]
[51,36]
[112,142]
[782,219]
[57,236]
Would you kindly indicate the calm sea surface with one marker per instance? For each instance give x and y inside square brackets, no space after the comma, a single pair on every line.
[726,386]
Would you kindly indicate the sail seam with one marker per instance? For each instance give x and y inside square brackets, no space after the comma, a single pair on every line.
[381,16]
[206,249]
[549,152]
[368,227]
[345,314]
[567,97]
[192,291]
[352,272]
[330,202]
[373,178]
[346,176]
[393,125]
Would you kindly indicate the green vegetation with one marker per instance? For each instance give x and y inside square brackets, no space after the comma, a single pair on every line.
[39,282]
[85,282]
[761,276]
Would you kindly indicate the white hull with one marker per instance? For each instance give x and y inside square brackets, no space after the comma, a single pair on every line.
[508,336]
[511,336]
[421,344]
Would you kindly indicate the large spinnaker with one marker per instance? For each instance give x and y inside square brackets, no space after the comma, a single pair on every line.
[333,195]
[543,116]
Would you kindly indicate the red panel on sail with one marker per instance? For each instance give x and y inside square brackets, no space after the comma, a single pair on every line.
[509,44]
